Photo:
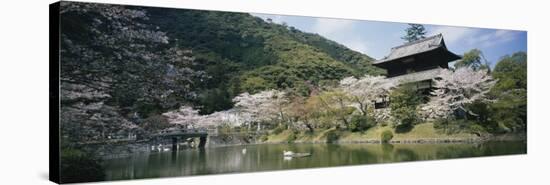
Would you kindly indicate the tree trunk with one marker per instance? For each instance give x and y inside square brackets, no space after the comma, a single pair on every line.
[362,108]
[309,127]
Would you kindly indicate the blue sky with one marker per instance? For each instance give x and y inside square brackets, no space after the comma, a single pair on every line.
[376,38]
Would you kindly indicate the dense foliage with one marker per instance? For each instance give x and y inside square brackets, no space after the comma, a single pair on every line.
[360,123]
[115,71]
[509,111]
[404,103]
[473,59]
[243,53]
[386,136]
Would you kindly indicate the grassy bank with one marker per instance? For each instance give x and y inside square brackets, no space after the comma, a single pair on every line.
[424,132]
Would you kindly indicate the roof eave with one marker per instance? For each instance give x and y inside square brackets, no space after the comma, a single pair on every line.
[402,57]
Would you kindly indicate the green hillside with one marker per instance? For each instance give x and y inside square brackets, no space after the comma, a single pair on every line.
[243,53]
[125,65]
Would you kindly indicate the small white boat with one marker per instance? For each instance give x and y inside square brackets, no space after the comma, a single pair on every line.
[288,153]
[291,154]
[244,151]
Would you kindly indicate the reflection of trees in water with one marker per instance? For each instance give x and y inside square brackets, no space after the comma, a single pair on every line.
[458,151]
[175,163]
[490,148]
[403,154]
[269,157]
[386,148]
[351,154]
[77,166]
[387,152]
[225,160]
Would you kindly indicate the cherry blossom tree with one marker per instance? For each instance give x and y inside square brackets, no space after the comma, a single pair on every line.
[366,90]
[184,117]
[456,89]
[87,117]
[229,117]
[249,108]
[111,60]
[262,106]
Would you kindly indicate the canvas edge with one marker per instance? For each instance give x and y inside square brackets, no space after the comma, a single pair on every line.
[54,152]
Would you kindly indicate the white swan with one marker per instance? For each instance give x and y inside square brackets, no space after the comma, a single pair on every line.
[288,153]
[166,149]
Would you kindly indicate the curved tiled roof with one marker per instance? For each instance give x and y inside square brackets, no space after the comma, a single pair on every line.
[411,48]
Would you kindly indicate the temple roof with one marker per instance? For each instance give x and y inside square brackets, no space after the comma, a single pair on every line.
[416,47]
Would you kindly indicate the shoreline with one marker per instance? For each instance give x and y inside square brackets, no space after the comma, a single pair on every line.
[141,148]
[449,140]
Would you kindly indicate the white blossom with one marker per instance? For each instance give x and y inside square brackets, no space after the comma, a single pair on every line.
[262,106]
[455,89]
[366,90]
[185,116]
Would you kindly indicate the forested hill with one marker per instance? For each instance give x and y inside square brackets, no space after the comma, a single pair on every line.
[122,66]
[243,53]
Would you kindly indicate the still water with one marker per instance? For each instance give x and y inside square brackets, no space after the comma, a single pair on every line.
[270,157]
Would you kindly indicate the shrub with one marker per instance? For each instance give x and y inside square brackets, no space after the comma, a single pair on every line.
[263,138]
[292,136]
[224,131]
[332,136]
[386,136]
[404,102]
[453,126]
[361,123]
[279,129]
[441,123]
[477,129]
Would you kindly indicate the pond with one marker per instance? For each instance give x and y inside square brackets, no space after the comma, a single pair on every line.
[267,157]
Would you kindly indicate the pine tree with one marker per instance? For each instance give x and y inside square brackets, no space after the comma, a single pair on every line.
[414,32]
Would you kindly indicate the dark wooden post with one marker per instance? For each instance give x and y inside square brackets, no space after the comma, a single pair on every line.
[174,143]
[202,142]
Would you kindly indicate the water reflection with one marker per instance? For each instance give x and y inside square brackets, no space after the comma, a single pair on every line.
[270,157]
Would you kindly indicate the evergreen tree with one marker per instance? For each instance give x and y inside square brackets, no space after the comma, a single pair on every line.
[414,32]
[473,59]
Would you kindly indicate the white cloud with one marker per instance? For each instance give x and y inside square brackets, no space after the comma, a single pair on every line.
[453,35]
[472,37]
[342,31]
[278,19]
[327,27]
[356,45]
[497,37]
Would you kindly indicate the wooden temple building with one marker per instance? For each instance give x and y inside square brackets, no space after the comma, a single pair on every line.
[416,63]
